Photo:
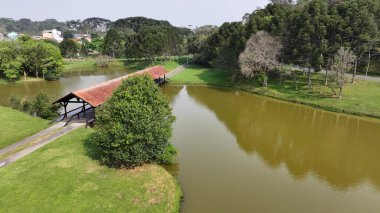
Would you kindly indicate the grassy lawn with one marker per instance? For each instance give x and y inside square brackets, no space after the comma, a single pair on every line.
[21,80]
[200,75]
[61,177]
[361,98]
[15,126]
[89,63]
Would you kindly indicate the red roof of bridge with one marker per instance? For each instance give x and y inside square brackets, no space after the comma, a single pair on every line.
[98,94]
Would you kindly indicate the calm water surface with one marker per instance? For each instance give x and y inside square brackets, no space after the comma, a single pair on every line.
[71,81]
[244,153]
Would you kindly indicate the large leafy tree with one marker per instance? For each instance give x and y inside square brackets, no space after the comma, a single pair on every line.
[134,126]
[69,48]
[30,57]
[113,43]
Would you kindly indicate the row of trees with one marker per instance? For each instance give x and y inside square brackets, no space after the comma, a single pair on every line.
[311,32]
[28,57]
[141,37]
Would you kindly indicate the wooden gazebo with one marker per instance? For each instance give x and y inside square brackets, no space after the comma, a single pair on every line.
[90,98]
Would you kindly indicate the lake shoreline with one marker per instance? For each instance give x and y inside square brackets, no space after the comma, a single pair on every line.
[315,106]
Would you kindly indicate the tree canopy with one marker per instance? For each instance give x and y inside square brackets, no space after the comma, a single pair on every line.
[31,58]
[134,126]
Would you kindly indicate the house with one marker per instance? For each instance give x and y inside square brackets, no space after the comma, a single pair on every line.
[13,35]
[52,35]
[79,37]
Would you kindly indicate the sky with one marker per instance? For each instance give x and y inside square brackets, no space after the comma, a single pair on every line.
[178,12]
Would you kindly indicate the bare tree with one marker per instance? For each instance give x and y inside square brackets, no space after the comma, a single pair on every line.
[260,56]
[344,60]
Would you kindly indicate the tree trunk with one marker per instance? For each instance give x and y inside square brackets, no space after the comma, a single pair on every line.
[354,73]
[326,76]
[340,92]
[369,63]
[309,77]
[25,76]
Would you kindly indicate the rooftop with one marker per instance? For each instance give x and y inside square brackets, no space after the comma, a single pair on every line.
[98,94]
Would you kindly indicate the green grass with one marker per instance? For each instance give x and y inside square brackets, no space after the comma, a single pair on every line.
[361,98]
[127,64]
[62,177]
[16,125]
[21,80]
[200,75]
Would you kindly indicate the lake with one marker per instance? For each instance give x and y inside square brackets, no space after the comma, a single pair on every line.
[244,153]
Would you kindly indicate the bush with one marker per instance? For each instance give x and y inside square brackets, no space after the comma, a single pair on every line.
[134,126]
[102,61]
[15,102]
[39,106]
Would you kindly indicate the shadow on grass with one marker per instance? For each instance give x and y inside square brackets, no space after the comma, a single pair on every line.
[92,150]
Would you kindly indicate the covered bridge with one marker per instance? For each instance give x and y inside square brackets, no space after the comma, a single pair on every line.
[85,101]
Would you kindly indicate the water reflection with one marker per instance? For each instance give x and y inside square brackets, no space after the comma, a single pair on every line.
[339,149]
[70,81]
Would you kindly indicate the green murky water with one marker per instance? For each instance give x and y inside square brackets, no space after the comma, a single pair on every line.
[243,153]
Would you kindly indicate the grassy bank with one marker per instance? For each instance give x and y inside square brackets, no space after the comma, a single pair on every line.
[21,80]
[16,125]
[64,178]
[361,98]
[89,64]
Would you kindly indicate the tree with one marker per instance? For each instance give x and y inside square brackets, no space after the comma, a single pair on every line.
[68,34]
[260,56]
[10,60]
[69,48]
[134,126]
[41,58]
[113,43]
[343,62]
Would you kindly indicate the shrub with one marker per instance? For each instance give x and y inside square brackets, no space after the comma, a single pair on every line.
[102,61]
[134,126]
[15,102]
[39,106]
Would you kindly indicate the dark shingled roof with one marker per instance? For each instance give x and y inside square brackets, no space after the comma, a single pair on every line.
[98,94]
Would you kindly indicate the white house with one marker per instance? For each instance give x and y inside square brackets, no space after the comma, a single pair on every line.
[52,35]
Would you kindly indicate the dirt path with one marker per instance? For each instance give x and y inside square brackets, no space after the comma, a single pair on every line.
[176,71]
[29,145]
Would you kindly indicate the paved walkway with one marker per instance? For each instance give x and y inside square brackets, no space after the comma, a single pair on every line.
[29,145]
[176,71]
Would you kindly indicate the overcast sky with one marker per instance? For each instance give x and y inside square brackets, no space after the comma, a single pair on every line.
[178,12]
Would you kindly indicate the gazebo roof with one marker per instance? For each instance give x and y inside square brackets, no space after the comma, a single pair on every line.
[98,94]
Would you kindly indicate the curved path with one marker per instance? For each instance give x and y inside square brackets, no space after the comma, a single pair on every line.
[176,71]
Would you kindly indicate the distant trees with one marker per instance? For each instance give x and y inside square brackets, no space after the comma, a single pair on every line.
[135,125]
[311,33]
[30,58]
[222,47]
[140,37]
[260,56]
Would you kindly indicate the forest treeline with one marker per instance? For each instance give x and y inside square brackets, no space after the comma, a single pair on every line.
[311,33]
